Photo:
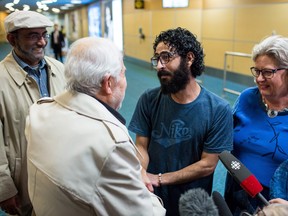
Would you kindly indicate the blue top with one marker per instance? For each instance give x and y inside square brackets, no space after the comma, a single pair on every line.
[179,133]
[260,142]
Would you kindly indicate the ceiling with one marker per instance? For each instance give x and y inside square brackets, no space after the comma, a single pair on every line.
[46,5]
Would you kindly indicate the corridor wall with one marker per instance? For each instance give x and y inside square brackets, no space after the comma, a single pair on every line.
[222,25]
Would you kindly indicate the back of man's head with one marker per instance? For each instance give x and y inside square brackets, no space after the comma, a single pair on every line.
[89,60]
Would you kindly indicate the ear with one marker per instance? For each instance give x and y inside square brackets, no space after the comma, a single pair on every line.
[11,39]
[107,85]
[190,58]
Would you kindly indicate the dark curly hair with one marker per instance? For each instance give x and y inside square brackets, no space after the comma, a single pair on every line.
[183,41]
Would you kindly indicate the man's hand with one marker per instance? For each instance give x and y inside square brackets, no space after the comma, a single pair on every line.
[10,206]
[146,180]
[154,179]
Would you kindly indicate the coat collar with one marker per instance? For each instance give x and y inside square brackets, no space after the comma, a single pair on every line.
[86,105]
[114,112]
[17,73]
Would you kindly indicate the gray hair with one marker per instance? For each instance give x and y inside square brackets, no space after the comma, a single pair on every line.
[276,47]
[89,61]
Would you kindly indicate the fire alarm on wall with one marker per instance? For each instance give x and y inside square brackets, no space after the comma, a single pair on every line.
[139,4]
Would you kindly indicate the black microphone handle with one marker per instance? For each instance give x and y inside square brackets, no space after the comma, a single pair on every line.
[221,204]
[262,198]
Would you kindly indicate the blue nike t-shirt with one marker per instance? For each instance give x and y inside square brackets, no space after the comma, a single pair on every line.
[179,133]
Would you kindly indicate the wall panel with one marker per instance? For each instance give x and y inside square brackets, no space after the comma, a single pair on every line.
[214,52]
[2,30]
[256,22]
[221,25]
[192,21]
[218,23]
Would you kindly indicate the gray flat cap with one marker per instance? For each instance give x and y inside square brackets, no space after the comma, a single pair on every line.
[26,19]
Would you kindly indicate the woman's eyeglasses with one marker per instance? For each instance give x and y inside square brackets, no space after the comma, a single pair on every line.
[266,73]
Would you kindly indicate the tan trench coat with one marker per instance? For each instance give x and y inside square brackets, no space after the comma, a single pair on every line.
[17,92]
[82,161]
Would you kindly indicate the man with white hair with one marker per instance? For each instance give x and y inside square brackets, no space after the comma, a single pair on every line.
[81,159]
[25,76]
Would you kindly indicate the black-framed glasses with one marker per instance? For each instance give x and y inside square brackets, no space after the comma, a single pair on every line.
[37,37]
[164,58]
[267,73]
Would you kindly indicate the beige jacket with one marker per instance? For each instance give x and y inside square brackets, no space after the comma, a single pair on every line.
[82,161]
[17,92]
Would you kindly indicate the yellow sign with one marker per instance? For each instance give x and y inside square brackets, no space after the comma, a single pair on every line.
[139,4]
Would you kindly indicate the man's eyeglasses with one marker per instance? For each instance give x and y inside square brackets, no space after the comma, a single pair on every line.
[37,37]
[164,58]
[267,73]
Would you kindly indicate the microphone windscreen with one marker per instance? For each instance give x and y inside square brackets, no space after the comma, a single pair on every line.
[197,202]
[241,174]
[222,206]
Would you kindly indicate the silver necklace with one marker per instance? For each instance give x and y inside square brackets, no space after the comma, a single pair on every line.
[273,113]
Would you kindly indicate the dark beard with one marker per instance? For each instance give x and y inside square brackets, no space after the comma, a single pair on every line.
[23,52]
[179,79]
[26,55]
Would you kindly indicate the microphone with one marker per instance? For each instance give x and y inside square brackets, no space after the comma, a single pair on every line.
[242,175]
[222,206]
[197,202]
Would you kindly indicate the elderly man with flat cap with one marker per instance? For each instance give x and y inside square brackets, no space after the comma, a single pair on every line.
[26,75]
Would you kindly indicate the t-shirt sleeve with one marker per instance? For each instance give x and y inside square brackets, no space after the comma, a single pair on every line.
[140,123]
[220,135]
